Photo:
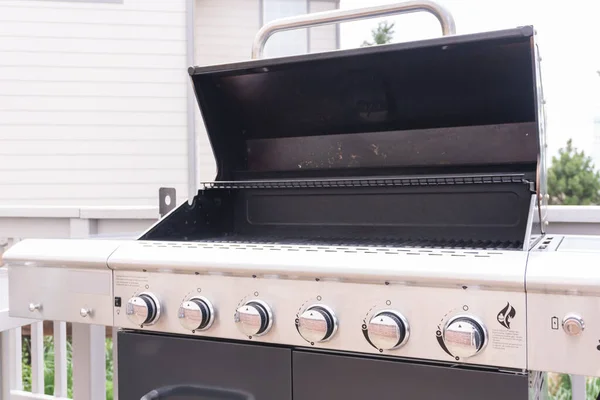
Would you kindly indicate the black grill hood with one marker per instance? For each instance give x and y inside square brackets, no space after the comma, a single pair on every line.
[430,143]
[453,105]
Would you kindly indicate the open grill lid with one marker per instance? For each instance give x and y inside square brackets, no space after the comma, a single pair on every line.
[452,105]
[432,143]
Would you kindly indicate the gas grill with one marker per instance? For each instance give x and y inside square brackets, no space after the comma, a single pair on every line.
[375,229]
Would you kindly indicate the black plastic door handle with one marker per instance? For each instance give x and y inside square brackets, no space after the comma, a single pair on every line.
[211,392]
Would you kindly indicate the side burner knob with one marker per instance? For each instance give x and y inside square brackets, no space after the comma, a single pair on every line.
[254,318]
[196,313]
[317,323]
[143,309]
[573,325]
[388,330]
[464,336]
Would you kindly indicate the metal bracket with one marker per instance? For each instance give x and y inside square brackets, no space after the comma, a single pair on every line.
[167,200]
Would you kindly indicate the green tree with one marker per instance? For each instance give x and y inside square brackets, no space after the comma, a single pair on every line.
[382,35]
[573,179]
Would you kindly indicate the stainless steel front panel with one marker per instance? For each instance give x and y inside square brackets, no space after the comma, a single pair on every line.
[425,308]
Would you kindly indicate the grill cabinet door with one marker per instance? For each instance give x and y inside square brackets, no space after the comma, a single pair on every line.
[148,361]
[326,377]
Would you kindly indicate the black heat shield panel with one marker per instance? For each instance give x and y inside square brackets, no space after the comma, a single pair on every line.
[424,148]
[331,376]
[431,215]
[446,104]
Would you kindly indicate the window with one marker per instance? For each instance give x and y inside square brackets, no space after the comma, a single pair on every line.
[288,42]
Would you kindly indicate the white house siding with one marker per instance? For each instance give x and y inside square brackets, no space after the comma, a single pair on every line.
[285,43]
[323,38]
[92,101]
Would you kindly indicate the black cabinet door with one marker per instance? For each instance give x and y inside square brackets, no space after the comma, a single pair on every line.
[319,376]
[148,361]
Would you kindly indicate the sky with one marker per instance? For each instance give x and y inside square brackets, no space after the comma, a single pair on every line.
[569,40]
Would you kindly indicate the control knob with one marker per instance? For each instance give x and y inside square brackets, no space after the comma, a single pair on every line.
[464,336]
[143,309]
[317,323]
[254,318]
[196,313]
[573,325]
[388,330]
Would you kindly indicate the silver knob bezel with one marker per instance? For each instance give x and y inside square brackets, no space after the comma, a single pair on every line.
[269,312]
[401,318]
[35,307]
[577,319]
[211,313]
[475,320]
[154,299]
[331,313]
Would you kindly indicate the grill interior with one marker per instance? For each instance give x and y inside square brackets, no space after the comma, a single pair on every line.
[485,212]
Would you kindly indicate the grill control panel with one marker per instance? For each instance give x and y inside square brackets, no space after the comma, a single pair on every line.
[437,304]
[447,324]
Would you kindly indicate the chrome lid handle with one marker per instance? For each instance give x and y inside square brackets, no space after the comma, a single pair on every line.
[330,17]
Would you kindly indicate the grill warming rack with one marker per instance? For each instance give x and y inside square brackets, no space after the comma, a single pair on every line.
[382,244]
[371,182]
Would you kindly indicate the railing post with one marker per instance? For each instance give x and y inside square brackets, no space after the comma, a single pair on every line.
[82,228]
[89,362]
[37,357]
[16,358]
[578,391]
[89,341]
[4,365]
[60,359]
[10,362]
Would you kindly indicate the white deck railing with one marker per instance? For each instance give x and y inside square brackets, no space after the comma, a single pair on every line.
[86,351]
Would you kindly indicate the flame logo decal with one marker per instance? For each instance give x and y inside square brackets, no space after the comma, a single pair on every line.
[506,315]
